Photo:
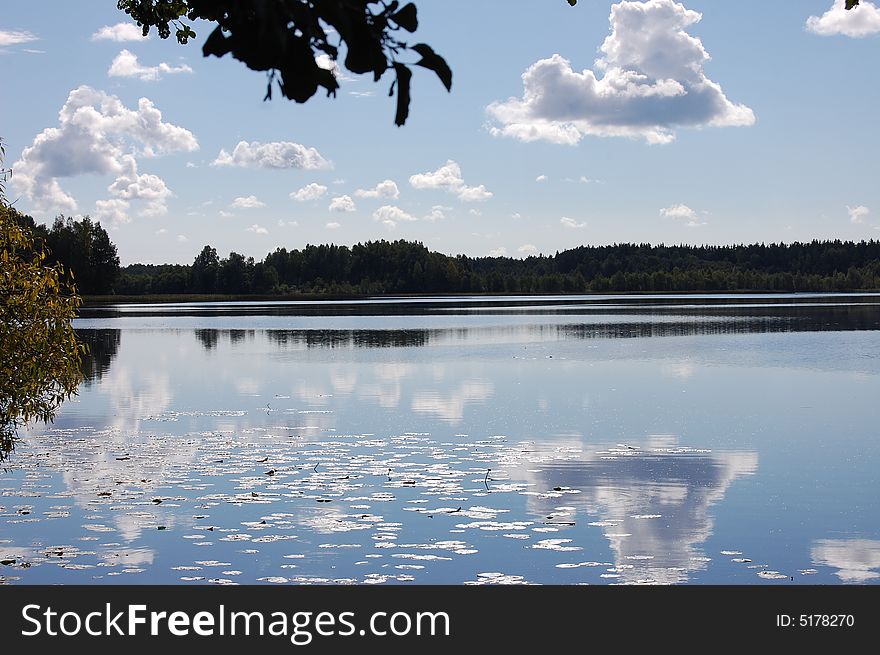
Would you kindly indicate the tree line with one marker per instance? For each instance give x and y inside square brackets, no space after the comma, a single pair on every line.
[391,267]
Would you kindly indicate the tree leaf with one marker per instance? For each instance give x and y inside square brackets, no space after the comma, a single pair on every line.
[432,61]
[407,18]
[404,75]
[216,44]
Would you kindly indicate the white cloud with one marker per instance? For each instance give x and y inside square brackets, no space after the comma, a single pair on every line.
[516,216]
[474,194]
[438,213]
[541,178]
[333,226]
[276,154]
[151,188]
[570,223]
[311,191]
[498,252]
[162,230]
[126,64]
[120,33]
[390,216]
[182,238]
[857,214]
[584,179]
[97,135]
[684,212]
[257,229]
[342,204]
[16,37]
[225,214]
[385,189]
[448,177]
[247,202]
[283,223]
[678,211]
[527,249]
[861,20]
[652,81]
[475,212]
[113,211]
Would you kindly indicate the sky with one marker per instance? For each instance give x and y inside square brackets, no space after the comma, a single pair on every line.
[703,122]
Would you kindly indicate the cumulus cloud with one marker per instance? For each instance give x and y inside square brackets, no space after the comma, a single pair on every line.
[474,194]
[114,211]
[438,213]
[527,249]
[342,204]
[385,189]
[857,214]
[570,223]
[862,20]
[276,154]
[98,135]
[390,216]
[132,186]
[448,177]
[120,33]
[650,81]
[257,229]
[333,226]
[678,211]
[498,252]
[682,212]
[541,178]
[16,37]
[311,191]
[247,202]
[126,64]
[182,238]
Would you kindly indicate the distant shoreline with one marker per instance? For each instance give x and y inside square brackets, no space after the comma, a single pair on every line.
[169,298]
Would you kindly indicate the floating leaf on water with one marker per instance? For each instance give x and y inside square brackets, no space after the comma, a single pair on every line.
[274,579]
[555,544]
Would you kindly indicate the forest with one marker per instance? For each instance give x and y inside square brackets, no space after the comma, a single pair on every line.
[407,267]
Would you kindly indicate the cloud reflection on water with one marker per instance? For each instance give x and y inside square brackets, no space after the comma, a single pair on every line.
[651,500]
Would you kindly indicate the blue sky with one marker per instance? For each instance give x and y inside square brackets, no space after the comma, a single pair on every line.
[708,121]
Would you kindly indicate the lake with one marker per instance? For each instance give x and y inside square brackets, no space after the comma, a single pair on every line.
[698,439]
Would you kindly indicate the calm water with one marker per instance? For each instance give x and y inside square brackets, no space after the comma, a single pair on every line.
[603,439]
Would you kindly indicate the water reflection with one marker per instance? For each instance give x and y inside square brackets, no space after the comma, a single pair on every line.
[678,303]
[208,338]
[450,406]
[652,501]
[854,559]
[103,345]
[349,338]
